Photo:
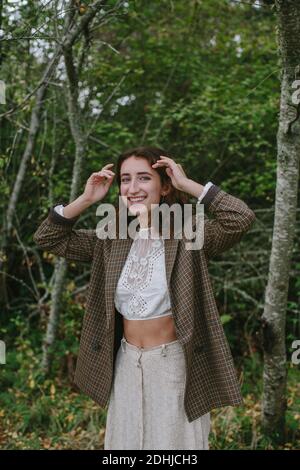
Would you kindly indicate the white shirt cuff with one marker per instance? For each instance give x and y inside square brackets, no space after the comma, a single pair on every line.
[59,209]
[206,188]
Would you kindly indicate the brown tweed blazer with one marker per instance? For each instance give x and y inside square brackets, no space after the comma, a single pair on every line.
[211,376]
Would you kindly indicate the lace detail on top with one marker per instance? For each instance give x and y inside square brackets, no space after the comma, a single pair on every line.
[142,291]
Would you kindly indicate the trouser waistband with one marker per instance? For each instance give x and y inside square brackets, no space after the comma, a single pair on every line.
[159,349]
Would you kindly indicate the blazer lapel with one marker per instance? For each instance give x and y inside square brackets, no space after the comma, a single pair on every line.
[118,255]
[171,246]
[119,251]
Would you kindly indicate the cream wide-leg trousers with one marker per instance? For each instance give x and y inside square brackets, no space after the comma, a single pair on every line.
[146,406]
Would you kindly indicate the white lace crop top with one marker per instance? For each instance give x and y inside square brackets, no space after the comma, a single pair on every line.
[142,291]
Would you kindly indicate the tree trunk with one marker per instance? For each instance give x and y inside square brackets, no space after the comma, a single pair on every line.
[288,150]
[59,277]
[74,116]
[60,264]
[33,132]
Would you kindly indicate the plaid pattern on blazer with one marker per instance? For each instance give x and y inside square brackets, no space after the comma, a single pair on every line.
[211,376]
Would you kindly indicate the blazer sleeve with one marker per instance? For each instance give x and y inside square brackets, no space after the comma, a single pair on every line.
[231,219]
[57,235]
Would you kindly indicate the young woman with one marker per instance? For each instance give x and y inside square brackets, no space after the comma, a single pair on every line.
[152,345]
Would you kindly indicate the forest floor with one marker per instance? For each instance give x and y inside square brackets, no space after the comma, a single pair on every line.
[39,413]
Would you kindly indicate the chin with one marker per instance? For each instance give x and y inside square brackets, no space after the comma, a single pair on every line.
[137,209]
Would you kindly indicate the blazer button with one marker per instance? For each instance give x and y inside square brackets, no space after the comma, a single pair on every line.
[96,346]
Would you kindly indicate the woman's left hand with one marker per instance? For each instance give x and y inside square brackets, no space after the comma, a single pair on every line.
[174,171]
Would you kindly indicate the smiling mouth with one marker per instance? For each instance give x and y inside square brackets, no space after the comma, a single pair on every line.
[137,199]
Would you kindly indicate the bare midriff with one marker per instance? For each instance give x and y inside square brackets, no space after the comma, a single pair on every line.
[148,333]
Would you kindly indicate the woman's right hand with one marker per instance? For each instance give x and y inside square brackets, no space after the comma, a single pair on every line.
[98,184]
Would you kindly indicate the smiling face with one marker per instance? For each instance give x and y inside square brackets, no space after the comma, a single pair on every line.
[140,184]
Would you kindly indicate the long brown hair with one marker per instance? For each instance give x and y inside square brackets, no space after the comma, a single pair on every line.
[151,154]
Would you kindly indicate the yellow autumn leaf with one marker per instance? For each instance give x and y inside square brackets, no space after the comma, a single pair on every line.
[71,286]
[70,417]
[31,383]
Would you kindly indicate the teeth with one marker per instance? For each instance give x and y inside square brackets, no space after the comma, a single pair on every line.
[137,199]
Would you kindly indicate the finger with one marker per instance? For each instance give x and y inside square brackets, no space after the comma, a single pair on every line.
[97,173]
[105,169]
[105,173]
[106,166]
[160,163]
[170,161]
[164,158]
[98,178]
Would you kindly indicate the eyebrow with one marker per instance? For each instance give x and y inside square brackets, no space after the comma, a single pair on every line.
[139,173]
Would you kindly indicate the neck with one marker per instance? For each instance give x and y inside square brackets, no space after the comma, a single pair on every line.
[147,229]
[143,221]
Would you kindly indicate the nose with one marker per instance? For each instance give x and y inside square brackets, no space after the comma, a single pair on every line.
[133,187]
